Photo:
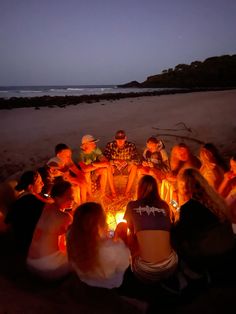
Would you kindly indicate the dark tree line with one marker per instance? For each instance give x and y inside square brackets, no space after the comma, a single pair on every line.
[213,72]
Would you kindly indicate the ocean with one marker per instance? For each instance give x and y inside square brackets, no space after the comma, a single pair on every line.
[67,90]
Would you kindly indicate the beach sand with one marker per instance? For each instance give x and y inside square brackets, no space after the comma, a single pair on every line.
[28,138]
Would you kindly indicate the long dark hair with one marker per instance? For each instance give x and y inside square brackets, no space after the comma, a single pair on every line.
[84,236]
[148,192]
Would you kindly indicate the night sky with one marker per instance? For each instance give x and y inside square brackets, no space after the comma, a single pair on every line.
[63,42]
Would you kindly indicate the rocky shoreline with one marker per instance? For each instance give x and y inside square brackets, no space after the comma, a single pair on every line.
[63,101]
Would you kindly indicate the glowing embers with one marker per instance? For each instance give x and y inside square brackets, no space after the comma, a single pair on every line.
[115,211]
[114,218]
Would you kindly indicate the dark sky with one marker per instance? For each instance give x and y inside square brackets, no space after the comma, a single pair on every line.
[53,42]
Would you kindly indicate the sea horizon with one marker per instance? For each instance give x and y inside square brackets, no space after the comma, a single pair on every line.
[66,90]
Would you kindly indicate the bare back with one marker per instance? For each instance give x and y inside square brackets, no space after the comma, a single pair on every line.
[154,245]
[51,225]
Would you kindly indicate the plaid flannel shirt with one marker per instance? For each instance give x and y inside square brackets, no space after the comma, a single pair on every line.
[128,152]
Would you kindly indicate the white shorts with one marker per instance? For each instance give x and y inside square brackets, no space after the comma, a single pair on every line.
[53,265]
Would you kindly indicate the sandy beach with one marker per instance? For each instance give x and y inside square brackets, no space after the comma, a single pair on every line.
[28,138]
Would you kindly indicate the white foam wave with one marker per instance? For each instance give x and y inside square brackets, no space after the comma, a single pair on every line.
[30,91]
[74,89]
[57,90]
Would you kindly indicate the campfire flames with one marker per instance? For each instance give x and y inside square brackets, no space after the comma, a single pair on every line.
[115,212]
[113,219]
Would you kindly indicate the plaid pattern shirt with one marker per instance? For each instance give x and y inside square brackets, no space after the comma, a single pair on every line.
[128,152]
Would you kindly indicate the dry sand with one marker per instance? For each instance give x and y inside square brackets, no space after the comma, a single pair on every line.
[28,137]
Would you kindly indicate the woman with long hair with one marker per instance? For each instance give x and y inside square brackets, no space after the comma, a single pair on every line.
[24,213]
[182,157]
[148,219]
[212,168]
[229,182]
[45,257]
[98,260]
[203,228]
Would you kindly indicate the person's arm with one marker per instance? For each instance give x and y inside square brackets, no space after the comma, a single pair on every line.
[108,151]
[134,154]
[87,168]
[225,186]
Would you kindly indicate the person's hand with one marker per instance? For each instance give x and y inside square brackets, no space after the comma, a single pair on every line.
[229,175]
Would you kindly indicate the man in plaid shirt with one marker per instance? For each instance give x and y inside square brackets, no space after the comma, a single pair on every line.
[123,158]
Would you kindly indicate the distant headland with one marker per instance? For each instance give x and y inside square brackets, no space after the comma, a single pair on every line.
[214,72]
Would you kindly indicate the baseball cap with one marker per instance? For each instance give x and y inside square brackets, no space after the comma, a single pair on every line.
[88,138]
[120,135]
[55,162]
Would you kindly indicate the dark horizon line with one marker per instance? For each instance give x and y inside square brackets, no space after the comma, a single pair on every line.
[82,85]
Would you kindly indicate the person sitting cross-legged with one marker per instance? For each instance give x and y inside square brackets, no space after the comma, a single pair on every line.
[95,165]
[123,158]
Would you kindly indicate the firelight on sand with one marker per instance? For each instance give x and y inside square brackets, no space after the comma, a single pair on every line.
[113,219]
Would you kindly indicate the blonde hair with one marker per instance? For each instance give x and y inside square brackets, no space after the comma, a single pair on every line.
[201,191]
[84,236]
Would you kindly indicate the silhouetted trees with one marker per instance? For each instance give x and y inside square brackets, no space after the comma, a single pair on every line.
[213,72]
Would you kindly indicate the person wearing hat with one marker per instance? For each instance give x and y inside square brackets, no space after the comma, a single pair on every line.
[26,210]
[94,164]
[123,158]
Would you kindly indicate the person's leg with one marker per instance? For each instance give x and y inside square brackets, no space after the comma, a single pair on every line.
[77,197]
[88,179]
[84,189]
[132,169]
[110,178]
[102,173]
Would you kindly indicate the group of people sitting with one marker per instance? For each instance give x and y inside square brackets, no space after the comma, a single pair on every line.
[183,212]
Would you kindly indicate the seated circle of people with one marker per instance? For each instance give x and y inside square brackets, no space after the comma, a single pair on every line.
[95,165]
[97,259]
[203,230]
[45,257]
[155,160]
[149,222]
[25,212]
[70,171]
[123,158]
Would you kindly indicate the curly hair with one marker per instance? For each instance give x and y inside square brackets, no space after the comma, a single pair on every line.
[201,191]
[84,236]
